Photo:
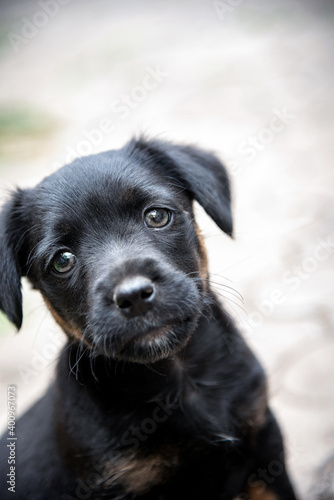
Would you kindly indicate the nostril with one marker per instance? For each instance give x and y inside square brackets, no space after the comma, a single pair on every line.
[123,303]
[147,293]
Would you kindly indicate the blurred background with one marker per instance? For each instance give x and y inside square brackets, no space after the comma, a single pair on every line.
[250,80]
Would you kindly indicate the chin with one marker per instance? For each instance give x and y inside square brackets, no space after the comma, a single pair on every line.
[147,347]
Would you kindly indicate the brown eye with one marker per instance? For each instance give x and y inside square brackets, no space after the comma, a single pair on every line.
[63,262]
[157,217]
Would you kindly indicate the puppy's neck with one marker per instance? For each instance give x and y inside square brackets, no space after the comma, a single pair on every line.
[128,382]
[135,382]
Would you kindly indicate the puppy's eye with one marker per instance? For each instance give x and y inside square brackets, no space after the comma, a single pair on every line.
[157,217]
[63,262]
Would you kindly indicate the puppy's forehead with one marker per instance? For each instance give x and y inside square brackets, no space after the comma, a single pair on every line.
[90,184]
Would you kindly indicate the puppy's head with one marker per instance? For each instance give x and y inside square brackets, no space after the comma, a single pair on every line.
[111,243]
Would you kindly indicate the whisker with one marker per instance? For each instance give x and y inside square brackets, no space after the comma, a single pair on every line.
[230,300]
[78,358]
[227,289]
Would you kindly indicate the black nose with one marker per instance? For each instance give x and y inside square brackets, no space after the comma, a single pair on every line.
[134,296]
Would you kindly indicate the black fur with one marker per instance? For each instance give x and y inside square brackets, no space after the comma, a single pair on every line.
[156,395]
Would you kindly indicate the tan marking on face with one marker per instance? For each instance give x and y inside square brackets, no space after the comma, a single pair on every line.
[257,415]
[70,330]
[139,475]
[254,413]
[203,256]
[258,493]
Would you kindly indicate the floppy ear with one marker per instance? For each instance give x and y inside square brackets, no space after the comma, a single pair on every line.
[11,232]
[202,174]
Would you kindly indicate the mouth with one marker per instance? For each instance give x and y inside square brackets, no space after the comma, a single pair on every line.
[152,345]
[150,338]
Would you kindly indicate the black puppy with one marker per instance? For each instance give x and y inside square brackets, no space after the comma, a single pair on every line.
[156,394]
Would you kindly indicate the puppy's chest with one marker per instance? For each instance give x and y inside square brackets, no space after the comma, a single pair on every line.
[154,449]
[138,474]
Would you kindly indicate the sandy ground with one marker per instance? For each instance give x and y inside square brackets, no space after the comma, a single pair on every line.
[252,81]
